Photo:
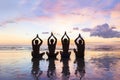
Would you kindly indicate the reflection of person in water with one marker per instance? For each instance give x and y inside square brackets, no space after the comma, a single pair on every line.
[36,72]
[51,73]
[80,43]
[36,43]
[52,45]
[65,69]
[80,67]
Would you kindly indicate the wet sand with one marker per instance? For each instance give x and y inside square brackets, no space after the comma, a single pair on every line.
[97,65]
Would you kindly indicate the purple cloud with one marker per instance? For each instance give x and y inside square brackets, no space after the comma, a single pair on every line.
[51,7]
[86,30]
[103,30]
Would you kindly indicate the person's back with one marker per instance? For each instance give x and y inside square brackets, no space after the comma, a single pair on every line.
[36,44]
[80,47]
[52,47]
[36,48]
[65,45]
[52,44]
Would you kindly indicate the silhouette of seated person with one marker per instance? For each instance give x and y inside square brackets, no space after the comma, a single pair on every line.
[51,73]
[65,69]
[36,43]
[80,43]
[80,69]
[52,46]
[36,72]
[65,40]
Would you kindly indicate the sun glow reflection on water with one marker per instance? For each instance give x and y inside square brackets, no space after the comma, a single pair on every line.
[99,65]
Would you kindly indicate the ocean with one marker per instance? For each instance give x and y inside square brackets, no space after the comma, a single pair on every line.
[102,62]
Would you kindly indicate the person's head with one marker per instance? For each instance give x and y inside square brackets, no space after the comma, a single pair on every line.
[52,41]
[36,41]
[65,40]
[80,41]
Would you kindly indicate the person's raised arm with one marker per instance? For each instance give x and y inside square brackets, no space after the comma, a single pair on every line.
[63,37]
[83,40]
[48,41]
[67,37]
[55,39]
[33,40]
[41,41]
[76,40]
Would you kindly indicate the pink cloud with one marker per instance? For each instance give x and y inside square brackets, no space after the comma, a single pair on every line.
[115,16]
[117,7]
[52,7]
[115,13]
[68,12]
[77,16]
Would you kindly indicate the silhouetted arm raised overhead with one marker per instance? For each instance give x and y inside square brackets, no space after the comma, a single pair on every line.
[33,40]
[83,40]
[55,39]
[48,41]
[41,41]
[63,37]
[76,40]
[67,37]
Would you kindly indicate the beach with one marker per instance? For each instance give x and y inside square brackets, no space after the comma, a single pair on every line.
[86,33]
[16,63]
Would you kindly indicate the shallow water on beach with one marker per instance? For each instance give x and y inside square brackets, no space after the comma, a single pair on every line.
[97,65]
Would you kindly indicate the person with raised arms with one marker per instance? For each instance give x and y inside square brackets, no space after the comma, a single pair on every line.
[52,46]
[65,46]
[80,43]
[36,43]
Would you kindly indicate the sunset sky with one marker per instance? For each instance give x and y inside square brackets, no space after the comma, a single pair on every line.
[95,20]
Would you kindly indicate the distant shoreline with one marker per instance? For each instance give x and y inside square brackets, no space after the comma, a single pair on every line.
[88,47]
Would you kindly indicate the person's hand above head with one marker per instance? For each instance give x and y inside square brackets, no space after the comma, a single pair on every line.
[79,35]
[51,33]
[37,35]
[65,32]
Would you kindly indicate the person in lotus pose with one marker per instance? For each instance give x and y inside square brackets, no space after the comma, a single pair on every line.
[80,43]
[65,46]
[65,43]
[36,43]
[52,46]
